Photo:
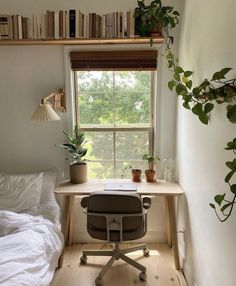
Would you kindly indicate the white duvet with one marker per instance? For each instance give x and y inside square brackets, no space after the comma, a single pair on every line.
[29,249]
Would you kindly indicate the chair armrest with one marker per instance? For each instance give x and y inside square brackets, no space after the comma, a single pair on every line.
[84,202]
[146,202]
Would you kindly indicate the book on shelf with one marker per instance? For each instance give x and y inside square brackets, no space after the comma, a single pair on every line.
[72,23]
[4,27]
[66,24]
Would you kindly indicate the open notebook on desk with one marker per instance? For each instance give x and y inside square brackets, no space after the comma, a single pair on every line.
[129,187]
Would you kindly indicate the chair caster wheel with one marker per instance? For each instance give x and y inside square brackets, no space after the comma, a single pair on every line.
[83,259]
[146,252]
[98,281]
[143,276]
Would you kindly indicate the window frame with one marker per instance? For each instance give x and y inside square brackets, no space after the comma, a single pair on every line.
[150,128]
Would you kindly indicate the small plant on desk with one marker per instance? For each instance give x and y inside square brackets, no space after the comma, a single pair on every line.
[150,172]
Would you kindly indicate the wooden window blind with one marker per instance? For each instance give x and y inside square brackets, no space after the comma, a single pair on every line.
[115,60]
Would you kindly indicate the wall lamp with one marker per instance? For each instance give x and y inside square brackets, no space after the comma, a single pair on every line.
[46,110]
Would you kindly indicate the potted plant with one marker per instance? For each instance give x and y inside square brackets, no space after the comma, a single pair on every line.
[150,172]
[136,173]
[75,147]
[151,19]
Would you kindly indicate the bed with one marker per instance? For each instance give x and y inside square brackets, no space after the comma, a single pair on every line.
[30,237]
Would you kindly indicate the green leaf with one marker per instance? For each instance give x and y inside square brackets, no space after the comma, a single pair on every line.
[231,113]
[220,74]
[170,64]
[179,70]
[233,189]
[176,13]
[225,207]
[196,91]
[186,105]
[208,107]
[184,80]
[212,206]
[197,109]
[231,145]
[181,89]
[171,84]
[176,76]
[229,176]
[188,73]
[219,199]
[189,84]
[229,165]
[203,118]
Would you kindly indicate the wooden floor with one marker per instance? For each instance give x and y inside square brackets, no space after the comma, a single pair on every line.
[160,268]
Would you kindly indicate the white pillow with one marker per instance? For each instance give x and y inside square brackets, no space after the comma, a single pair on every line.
[48,185]
[20,192]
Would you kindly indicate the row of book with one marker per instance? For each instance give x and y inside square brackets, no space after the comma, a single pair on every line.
[66,24]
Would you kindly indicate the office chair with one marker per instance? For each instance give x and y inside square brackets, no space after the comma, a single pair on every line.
[116,216]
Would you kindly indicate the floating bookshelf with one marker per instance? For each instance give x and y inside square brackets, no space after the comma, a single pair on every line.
[85,41]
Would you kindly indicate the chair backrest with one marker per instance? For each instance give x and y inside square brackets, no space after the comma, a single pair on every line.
[115,205]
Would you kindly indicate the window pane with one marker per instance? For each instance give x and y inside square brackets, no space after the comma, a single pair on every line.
[100,146]
[132,81]
[131,145]
[132,97]
[132,108]
[95,97]
[100,170]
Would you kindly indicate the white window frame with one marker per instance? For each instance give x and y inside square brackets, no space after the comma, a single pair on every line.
[150,128]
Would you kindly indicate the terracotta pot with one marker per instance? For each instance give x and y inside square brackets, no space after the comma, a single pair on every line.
[78,173]
[150,176]
[157,32]
[136,175]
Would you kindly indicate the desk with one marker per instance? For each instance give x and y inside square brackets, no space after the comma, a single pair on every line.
[159,188]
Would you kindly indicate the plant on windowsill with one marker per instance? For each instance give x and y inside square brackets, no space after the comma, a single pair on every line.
[136,173]
[150,172]
[75,147]
[152,19]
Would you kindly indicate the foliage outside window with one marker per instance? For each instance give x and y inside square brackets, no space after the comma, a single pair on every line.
[114,109]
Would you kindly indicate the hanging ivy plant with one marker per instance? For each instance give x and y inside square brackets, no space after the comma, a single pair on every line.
[201,100]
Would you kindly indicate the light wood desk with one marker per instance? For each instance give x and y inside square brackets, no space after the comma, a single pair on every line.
[159,188]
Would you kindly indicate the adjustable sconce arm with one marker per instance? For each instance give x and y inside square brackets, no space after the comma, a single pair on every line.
[58,101]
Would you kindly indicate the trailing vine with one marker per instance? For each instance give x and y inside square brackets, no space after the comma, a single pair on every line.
[201,100]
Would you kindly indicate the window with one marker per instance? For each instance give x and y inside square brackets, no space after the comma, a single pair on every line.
[115,110]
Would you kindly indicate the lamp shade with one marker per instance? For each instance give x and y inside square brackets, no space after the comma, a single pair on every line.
[45,112]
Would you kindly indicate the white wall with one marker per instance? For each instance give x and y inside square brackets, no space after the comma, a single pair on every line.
[29,73]
[207,44]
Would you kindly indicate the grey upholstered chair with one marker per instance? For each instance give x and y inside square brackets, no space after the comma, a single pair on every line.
[116,216]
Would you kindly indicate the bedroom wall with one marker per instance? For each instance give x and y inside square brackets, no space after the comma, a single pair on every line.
[207,44]
[29,73]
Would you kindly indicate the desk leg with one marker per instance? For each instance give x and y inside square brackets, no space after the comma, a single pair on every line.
[173,229]
[169,242]
[65,223]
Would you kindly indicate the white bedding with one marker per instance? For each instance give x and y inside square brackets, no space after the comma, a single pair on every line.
[30,246]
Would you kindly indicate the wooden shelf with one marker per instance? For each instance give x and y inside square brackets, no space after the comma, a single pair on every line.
[95,41]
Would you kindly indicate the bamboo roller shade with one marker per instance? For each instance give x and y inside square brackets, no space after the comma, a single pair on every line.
[115,60]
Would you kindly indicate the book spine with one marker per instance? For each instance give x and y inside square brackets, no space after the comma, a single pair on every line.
[56,25]
[132,23]
[4,27]
[90,25]
[93,25]
[60,24]
[77,24]
[67,25]
[72,23]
